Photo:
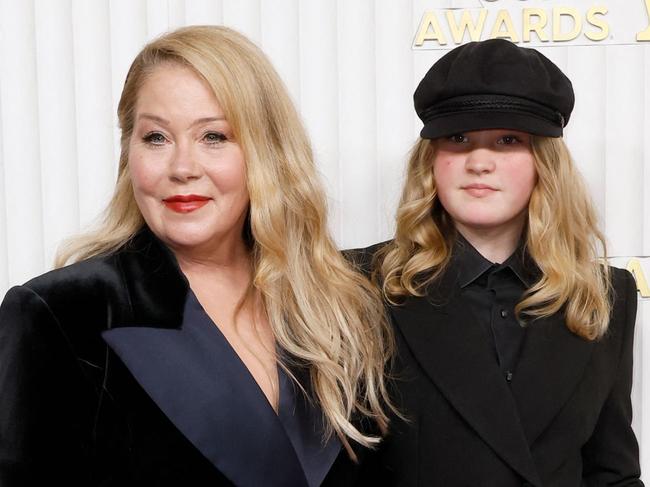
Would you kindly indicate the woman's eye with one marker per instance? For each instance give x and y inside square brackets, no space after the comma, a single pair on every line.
[508,140]
[214,137]
[458,139]
[154,138]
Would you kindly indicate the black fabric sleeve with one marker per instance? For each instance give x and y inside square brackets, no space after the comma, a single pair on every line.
[611,456]
[44,415]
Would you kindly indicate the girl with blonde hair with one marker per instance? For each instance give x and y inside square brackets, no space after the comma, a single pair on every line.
[514,338]
[209,332]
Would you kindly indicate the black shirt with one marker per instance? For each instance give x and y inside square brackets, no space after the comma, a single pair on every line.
[491,291]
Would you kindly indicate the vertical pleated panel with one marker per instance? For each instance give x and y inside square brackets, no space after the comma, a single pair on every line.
[56,111]
[645,220]
[20,142]
[176,13]
[359,183]
[202,12]
[157,17]
[319,88]
[4,254]
[624,139]
[128,33]
[244,16]
[586,69]
[96,163]
[4,236]
[280,41]
[393,98]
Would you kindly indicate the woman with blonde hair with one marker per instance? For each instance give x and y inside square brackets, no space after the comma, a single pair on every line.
[514,339]
[209,332]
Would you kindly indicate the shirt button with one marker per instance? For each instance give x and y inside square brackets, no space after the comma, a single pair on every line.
[509,376]
[504,313]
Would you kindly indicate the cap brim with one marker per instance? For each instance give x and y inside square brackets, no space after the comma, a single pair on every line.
[456,123]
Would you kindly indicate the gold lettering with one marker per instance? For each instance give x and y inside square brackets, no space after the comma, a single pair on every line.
[430,21]
[538,26]
[634,266]
[466,24]
[598,22]
[503,18]
[645,35]
[558,13]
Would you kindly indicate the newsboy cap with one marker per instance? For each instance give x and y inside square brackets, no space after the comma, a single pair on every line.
[493,84]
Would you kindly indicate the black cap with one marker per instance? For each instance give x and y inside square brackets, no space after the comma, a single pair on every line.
[490,85]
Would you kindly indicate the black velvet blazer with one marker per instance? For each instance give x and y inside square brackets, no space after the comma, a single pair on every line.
[74,412]
[563,421]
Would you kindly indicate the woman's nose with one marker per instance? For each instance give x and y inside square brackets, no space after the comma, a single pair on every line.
[184,165]
[480,160]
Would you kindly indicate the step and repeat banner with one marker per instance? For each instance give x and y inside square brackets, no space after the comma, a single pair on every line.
[351,67]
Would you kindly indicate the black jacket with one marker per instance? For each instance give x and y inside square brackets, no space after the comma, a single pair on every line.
[73,413]
[563,421]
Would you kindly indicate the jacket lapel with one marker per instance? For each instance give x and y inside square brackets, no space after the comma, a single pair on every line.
[156,286]
[551,364]
[454,352]
[200,391]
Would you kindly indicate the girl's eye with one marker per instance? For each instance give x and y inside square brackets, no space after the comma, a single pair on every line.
[458,139]
[154,138]
[508,140]
[214,137]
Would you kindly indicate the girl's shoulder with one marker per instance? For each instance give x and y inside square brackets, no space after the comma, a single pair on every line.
[620,273]
[363,258]
[624,304]
[622,283]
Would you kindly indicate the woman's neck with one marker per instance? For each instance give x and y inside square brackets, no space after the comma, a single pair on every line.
[496,245]
[229,262]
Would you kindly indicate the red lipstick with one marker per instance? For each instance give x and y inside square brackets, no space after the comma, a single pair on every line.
[185,203]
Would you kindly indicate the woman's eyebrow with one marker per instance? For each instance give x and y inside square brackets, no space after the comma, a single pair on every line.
[198,121]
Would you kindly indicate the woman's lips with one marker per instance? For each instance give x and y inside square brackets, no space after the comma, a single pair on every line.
[478,190]
[185,203]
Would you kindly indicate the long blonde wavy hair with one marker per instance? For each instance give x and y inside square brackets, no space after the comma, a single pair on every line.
[322,312]
[561,236]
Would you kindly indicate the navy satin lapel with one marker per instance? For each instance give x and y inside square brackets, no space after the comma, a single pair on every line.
[202,390]
[551,364]
[454,352]
[303,422]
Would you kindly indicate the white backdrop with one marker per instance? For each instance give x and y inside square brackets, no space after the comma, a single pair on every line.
[351,69]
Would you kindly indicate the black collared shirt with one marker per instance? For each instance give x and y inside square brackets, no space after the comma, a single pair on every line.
[491,292]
